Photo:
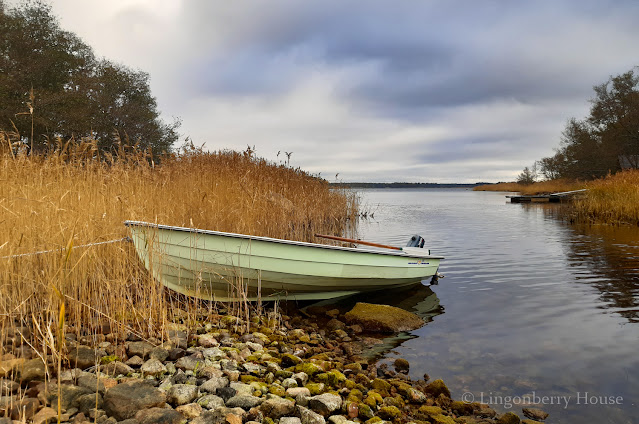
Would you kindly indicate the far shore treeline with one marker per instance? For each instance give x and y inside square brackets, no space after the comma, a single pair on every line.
[53,87]
[605,142]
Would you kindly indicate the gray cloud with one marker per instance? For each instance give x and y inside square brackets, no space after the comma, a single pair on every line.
[358,87]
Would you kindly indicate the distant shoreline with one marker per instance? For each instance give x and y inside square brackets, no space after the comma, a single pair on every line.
[405,185]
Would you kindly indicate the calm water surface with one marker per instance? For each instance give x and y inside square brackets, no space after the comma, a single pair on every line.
[530,306]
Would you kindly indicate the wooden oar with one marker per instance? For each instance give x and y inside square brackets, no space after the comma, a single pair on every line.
[367,243]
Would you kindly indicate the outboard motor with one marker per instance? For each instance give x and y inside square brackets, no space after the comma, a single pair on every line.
[416,241]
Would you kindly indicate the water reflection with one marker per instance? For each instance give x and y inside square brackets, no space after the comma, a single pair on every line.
[418,299]
[605,257]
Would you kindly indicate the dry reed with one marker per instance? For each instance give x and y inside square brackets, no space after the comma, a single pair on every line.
[74,195]
[611,200]
[540,187]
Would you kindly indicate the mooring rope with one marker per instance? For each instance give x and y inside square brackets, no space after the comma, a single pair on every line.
[64,248]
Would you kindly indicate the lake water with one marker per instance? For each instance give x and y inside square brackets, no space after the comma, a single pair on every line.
[531,307]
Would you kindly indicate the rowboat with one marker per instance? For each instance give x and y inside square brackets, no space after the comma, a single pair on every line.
[223,266]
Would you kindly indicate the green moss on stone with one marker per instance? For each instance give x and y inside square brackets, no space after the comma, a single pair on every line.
[108,359]
[430,410]
[389,413]
[442,419]
[381,386]
[365,412]
[309,368]
[315,388]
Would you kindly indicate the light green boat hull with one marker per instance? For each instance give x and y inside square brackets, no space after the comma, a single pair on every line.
[223,266]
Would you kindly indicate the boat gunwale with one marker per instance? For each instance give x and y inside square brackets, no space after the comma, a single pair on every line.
[400,253]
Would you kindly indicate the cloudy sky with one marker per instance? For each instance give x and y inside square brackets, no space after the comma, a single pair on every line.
[421,91]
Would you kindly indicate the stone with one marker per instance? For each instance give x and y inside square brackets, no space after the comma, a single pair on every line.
[82,357]
[535,414]
[159,353]
[529,421]
[289,360]
[508,418]
[8,387]
[85,403]
[210,372]
[437,388]
[309,417]
[242,388]
[233,419]
[325,404]
[290,420]
[383,318]
[181,394]
[141,349]
[287,383]
[159,416]
[188,363]
[16,408]
[116,368]
[211,385]
[243,401]
[126,399]
[90,381]
[210,401]
[135,361]
[214,354]
[153,367]
[45,415]
[69,395]
[190,410]
[295,391]
[401,365]
[226,393]
[207,340]
[389,413]
[277,408]
[10,366]
[33,369]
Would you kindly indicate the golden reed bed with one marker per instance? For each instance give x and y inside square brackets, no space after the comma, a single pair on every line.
[74,195]
[610,200]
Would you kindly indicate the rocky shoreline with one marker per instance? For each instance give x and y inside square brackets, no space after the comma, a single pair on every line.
[303,368]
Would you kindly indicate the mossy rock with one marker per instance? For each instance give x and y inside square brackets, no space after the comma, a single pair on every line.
[389,413]
[442,419]
[321,357]
[309,368]
[509,418]
[383,318]
[336,378]
[381,386]
[278,390]
[355,395]
[431,410]
[316,388]
[461,408]
[529,421]
[374,420]
[355,367]
[350,385]
[268,420]
[365,412]
[283,374]
[375,396]
[288,360]
[108,359]
[248,378]
[397,401]
[437,388]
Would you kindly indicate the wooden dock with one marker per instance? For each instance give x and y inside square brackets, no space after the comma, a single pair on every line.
[546,198]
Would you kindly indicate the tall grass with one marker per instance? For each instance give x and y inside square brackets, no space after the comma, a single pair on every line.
[74,195]
[611,200]
[540,187]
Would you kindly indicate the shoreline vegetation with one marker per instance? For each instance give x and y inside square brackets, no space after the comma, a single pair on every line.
[612,200]
[89,336]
